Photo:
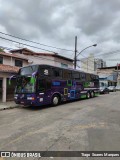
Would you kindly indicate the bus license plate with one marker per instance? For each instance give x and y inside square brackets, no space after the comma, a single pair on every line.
[22,102]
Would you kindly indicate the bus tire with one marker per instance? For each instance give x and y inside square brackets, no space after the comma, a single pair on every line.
[88,95]
[55,100]
[92,94]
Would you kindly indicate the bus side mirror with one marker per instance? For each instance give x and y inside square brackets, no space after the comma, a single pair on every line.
[9,82]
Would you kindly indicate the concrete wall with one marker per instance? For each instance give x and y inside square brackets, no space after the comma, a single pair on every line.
[11,61]
[105,71]
[87,64]
[42,60]
[58,62]
[54,61]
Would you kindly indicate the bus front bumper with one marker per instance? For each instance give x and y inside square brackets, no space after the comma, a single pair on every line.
[31,100]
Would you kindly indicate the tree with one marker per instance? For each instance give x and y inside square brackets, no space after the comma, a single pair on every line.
[1,50]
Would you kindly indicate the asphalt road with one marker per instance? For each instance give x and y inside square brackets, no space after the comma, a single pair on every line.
[85,125]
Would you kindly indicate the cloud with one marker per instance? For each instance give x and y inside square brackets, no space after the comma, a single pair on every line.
[58,22]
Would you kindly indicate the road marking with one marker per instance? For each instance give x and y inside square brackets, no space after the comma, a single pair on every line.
[92,125]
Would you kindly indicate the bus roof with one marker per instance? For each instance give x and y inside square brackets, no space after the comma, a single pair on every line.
[57,67]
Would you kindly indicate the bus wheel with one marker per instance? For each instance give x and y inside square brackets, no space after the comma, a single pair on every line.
[55,100]
[92,94]
[88,95]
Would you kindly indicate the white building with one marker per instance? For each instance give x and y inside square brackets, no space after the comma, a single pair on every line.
[99,63]
[90,64]
[44,58]
[87,64]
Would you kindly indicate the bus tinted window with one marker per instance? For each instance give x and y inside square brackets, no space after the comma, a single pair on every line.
[76,75]
[57,72]
[82,76]
[88,77]
[67,74]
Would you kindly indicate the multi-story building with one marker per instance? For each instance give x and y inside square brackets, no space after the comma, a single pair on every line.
[99,63]
[87,64]
[90,64]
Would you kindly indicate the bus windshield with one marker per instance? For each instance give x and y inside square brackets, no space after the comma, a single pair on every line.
[28,70]
[25,85]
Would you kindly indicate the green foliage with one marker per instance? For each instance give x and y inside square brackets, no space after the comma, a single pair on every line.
[1,50]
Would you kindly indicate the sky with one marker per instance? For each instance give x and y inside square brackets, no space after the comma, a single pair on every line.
[57,22]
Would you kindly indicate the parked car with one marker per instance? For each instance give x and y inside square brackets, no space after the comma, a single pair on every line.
[117,88]
[112,88]
[104,90]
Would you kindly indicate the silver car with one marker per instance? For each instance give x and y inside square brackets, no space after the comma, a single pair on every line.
[112,88]
[117,88]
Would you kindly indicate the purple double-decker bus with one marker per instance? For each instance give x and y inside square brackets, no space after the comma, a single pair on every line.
[39,85]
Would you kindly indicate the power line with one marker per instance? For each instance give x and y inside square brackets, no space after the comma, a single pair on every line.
[49,59]
[98,55]
[26,44]
[113,52]
[53,60]
[35,55]
[36,42]
[106,53]
[6,48]
[86,58]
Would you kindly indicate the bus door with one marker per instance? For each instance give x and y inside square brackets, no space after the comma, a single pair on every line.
[44,90]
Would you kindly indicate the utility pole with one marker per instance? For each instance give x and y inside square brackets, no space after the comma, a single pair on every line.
[75,58]
[117,74]
[117,69]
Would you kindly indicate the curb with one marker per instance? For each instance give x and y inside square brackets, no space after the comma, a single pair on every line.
[10,107]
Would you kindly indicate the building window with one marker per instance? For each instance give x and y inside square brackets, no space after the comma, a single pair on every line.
[64,65]
[18,63]
[1,60]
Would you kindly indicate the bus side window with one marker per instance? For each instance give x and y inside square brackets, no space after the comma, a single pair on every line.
[57,72]
[67,74]
[41,85]
[76,75]
[82,76]
[88,77]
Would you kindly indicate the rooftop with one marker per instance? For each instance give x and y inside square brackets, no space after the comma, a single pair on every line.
[110,67]
[8,68]
[12,55]
[30,52]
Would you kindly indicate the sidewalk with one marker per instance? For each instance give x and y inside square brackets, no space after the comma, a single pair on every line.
[8,105]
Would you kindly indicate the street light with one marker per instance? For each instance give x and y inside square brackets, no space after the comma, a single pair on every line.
[94,45]
[75,60]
